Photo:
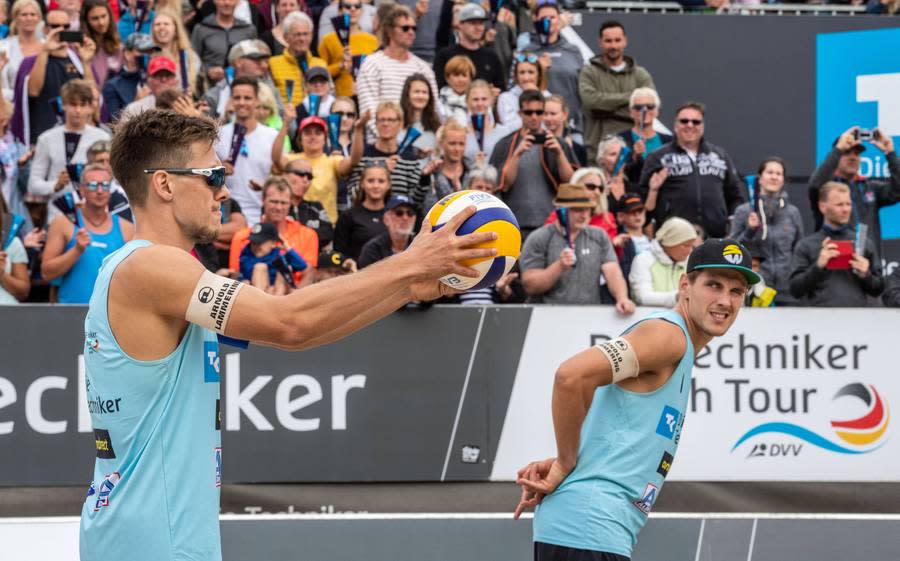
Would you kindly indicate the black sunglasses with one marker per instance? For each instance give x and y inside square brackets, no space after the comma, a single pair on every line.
[347,114]
[407,28]
[401,212]
[530,112]
[306,174]
[695,122]
[645,106]
[351,6]
[593,186]
[58,25]
[215,176]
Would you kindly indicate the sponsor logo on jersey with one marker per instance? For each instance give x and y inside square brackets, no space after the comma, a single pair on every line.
[104,444]
[105,490]
[218,414]
[668,422]
[211,361]
[665,464]
[645,503]
[218,454]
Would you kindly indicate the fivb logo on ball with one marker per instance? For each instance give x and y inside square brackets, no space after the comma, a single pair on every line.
[857,83]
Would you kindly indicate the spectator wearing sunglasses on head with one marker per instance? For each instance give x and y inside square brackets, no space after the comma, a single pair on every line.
[527,74]
[692,178]
[340,58]
[75,252]
[605,86]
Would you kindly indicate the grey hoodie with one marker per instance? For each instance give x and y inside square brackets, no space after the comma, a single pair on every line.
[562,78]
[212,42]
[780,229]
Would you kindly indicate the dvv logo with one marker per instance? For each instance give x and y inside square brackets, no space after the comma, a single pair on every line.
[861,435]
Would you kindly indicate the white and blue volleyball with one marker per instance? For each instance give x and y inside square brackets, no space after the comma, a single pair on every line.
[492,216]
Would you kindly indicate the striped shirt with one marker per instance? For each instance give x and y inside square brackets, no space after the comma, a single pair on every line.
[404,178]
[381,78]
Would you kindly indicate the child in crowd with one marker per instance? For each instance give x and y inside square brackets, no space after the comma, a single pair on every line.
[459,73]
[267,265]
[632,240]
[317,82]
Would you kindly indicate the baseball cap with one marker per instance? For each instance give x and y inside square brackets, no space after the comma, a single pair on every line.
[313,120]
[675,231]
[263,232]
[249,48]
[141,42]
[399,200]
[722,253]
[316,72]
[331,260]
[159,64]
[472,12]
[630,203]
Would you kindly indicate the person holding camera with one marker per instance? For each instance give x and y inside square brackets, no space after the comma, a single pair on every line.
[867,195]
[65,55]
[834,267]
[532,165]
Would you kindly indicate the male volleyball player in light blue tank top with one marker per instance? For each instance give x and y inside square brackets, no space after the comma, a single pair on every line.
[618,410]
[151,348]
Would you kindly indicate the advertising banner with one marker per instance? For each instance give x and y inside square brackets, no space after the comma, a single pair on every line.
[786,395]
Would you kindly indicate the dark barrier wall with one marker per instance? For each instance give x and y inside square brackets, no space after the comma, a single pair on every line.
[756,75]
[383,405]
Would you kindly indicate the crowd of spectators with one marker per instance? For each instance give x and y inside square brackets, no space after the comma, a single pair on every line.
[343,122]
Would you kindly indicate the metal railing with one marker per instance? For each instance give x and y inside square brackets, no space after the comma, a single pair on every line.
[631,6]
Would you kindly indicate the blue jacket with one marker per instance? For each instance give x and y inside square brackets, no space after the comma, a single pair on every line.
[249,260]
[119,91]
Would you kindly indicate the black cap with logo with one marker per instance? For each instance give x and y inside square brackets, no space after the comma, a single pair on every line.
[263,232]
[722,254]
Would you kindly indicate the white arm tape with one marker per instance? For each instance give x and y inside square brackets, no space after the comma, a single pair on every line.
[621,357]
[212,301]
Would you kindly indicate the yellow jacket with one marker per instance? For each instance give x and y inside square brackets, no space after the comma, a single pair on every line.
[285,67]
[361,43]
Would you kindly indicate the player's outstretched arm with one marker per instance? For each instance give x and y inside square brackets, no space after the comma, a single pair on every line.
[167,279]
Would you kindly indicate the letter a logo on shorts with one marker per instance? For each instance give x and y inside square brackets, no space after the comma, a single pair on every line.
[211,361]
[668,422]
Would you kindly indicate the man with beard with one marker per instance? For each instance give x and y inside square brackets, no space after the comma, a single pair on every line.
[618,409]
[151,352]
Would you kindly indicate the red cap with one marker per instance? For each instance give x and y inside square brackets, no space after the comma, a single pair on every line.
[313,120]
[161,63]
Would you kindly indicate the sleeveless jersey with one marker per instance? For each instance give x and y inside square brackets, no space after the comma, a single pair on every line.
[75,286]
[155,492]
[628,442]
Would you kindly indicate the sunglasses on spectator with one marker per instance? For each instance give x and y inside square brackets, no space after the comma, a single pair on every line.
[298,173]
[593,186]
[527,57]
[645,106]
[695,122]
[406,28]
[351,6]
[347,114]
[407,213]
[58,25]
[105,186]
[215,176]
[530,112]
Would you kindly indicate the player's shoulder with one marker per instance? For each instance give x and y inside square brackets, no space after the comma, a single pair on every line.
[155,265]
[665,339]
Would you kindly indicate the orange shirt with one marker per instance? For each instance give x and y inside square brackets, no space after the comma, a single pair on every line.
[296,236]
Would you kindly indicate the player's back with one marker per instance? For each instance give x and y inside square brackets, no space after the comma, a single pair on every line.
[155,491]
[628,442]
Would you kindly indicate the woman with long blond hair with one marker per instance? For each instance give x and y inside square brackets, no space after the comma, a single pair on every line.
[24,41]
[168,32]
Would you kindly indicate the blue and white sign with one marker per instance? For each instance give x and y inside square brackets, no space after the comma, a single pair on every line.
[857,83]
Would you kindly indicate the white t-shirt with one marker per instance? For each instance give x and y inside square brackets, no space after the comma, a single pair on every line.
[254,162]
[15,253]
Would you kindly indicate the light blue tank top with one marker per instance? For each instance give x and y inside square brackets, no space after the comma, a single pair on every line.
[628,442]
[155,491]
[76,285]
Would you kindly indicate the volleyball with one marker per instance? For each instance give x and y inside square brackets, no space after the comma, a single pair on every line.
[492,216]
